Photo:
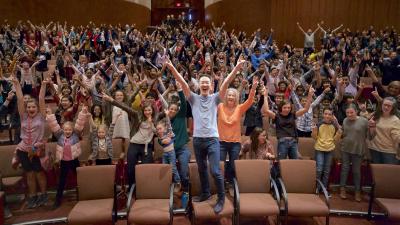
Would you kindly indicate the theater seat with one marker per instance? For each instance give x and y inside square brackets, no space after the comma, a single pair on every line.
[385,190]
[150,199]
[299,185]
[96,196]
[204,211]
[253,196]
[11,178]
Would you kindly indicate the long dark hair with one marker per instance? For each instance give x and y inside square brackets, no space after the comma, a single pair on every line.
[254,141]
[101,111]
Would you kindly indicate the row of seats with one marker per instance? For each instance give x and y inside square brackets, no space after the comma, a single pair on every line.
[256,195]
[12,177]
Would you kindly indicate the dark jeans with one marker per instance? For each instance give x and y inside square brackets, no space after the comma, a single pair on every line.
[232,149]
[65,167]
[383,158]
[103,161]
[183,155]
[287,147]
[29,164]
[324,162]
[209,148]
[355,161]
[136,153]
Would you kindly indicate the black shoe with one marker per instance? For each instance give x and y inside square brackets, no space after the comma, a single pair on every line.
[42,200]
[56,204]
[201,198]
[31,202]
[219,206]
[7,213]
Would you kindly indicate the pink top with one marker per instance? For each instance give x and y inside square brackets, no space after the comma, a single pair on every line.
[67,152]
[32,131]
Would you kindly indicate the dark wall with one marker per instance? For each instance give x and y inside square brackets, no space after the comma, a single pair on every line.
[75,12]
[282,15]
[161,8]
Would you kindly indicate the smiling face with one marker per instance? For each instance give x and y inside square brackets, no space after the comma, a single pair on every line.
[68,129]
[65,103]
[351,113]
[327,116]
[147,112]
[31,108]
[286,108]
[205,85]
[173,110]
[101,132]
[160,129]
[262,137]
[387,107]
[119,96]
[231,97]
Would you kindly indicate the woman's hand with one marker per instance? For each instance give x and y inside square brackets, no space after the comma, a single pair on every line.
[107,97]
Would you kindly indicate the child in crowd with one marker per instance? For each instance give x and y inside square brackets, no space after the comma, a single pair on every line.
[325,134]
[68,147]
[166,140]
[101,140]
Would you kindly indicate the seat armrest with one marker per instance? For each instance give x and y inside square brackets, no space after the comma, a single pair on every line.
[236,196]
[319,183]
[130,199]
[171,203]
[284,194]
[371,201]
[276,191]
[114,210]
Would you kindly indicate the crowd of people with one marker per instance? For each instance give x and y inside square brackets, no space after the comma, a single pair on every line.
[185,80]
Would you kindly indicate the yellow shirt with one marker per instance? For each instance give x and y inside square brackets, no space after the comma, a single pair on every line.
[138,101]
[325,138]
[387,138]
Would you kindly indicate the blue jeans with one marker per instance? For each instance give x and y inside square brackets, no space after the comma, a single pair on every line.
[287,147]
[183,155]
[232,149]
[209,148]
[383,158]
[169,158]
[324,162]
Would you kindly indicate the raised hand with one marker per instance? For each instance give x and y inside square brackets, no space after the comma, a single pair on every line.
[107,97]
[311,91]
[48,111]
[372,122]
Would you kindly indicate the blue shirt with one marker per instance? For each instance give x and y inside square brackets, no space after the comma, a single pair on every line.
[204,110]
[255,61]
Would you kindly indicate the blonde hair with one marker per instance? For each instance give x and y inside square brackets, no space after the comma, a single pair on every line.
[68,123]
[103,127]
[235,92]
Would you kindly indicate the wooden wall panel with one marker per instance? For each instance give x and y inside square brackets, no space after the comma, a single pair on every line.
[75,12]
[282,15]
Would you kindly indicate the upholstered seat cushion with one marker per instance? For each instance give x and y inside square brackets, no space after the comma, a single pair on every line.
[391,206]
[258,204]
[306,205]
[149,211]
[205,210]
[11,181]
[91,212]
